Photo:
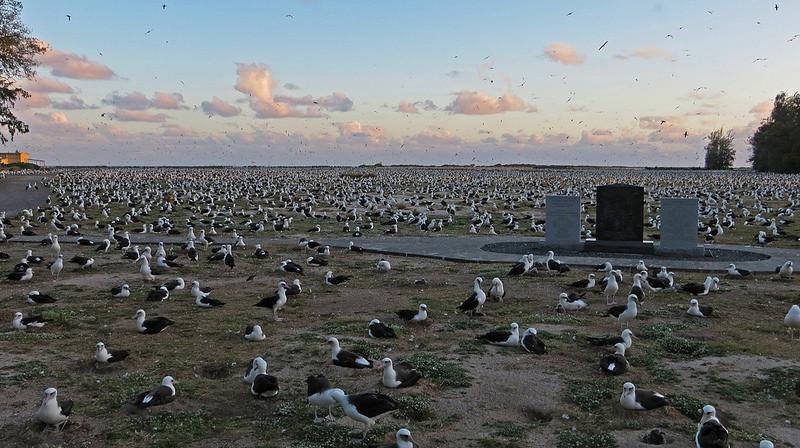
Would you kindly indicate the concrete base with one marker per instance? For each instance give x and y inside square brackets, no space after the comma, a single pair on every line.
[620,247]
[577,246]
[696,251]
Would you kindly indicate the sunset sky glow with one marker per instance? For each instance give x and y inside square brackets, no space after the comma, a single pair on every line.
[448,82]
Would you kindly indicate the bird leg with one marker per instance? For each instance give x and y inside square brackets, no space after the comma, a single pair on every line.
[277,319]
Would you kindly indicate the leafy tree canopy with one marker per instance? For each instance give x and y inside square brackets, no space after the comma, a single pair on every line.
[719,151]
[17,61]
[776,143]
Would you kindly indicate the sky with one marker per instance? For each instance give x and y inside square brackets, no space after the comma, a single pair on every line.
[322,82]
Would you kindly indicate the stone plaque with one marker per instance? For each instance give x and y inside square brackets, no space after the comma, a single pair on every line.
[679,224]
[620,212]
[563,215]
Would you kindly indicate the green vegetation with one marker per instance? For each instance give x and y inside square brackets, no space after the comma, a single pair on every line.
[440,372]
[775,145]
[570,439]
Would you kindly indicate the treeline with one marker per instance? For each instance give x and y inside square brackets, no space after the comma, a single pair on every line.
[776,143]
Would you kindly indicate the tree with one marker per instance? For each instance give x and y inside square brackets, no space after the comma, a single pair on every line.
[776,143]
[17,61]
[719,150]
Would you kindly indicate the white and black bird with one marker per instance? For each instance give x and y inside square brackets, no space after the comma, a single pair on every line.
[733,271]
[109,355]
[365,407]
[83,262]
[402,374]
[290,266]
[586,283]
[257,366]
[344,358]
[403,440]
[175,284]
[497,292]
[319,395]
[275,301]
[640,399]
[417,315]
[153,325]
[158,294]
[161,395]
[121,291]
[264,385]
[625,338]
[204,301]
[531,343]
[615,363]
[624,313]
[610,289]
[383,266]
[25,275]
[695,309]
[378,329]
[502,337]
[476,300]
[710,431]
[699,289]
[52,411]
[198,290]
[23,323]
[254,333]
[570,305]
[337,280]
[38,298]
[316,261]
[260,253]
[785,271]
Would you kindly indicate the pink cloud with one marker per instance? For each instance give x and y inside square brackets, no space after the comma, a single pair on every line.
[130,101]
[163,100]
[139,115]
[44,84]
[564,53]
[661,122]
[407,108]
[353,129]
[218,107]
[74,103]
[256,81]
[474,103]
[434,136]
[70,65]
[763,109]
[597,136]
[651,52]
[36,100]
[173,130]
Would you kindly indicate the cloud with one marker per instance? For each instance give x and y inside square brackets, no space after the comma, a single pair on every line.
[139,115]
[474,103]
[163,100]
[70,65]
[454,73]
[353,129]
[597,136]
[661,122]
[218,107]
[291,86]
[256,81]
[58,117]
[435,136]
[564,53]
[36,100]
[651,52]
[173,130]
[139,101]
[44,84]
[74,103]
[407,108]
[763,109]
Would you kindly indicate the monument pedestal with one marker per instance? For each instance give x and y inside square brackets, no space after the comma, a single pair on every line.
[619,247]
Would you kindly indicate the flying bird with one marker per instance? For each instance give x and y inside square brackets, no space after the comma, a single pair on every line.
[601,46]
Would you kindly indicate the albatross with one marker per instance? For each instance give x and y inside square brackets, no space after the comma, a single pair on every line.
[344,358]
[641,399]
[109,355]
[502,337]
[710,431]
[531,342]
[23,323]
[404,440]
[615,363]
[52,411]
[401,375]
[378,329]
[275,301]
[476,300]
[319,395]
[163,394]
[365,407]
[151,326]
[414,315]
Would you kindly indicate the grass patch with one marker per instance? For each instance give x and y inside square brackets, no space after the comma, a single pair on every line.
[671,346]
[442,373]
[664,375]
[510,430]
[781,382]
[366,349]
[727,389]
[570,439]
[168,430]
[686,405]
[589,395]
[415,408]
[563,318]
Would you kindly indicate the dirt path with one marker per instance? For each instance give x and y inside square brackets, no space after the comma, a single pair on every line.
[16,196]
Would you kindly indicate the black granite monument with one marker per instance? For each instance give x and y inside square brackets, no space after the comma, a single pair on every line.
[620,220]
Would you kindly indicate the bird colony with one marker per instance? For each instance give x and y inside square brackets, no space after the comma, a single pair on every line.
[200,307]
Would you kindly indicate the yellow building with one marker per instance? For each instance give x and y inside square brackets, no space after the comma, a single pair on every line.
[13,157]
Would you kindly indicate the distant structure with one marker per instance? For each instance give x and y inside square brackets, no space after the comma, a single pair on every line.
[18,157]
